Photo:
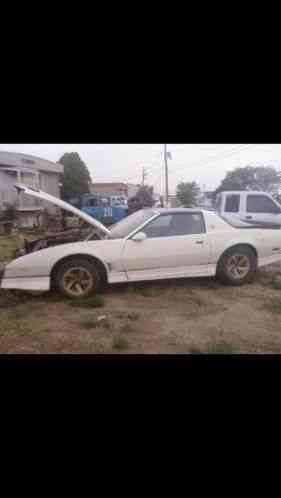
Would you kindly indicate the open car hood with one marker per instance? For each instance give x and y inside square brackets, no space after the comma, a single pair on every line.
[61,204]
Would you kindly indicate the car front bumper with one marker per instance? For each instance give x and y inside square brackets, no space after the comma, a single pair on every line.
[26,283]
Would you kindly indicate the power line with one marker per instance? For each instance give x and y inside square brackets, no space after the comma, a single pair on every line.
[223,155]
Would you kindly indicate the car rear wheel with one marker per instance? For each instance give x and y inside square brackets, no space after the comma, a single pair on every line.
[237,266]
[77,278]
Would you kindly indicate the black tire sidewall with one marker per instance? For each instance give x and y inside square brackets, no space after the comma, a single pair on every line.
[224,276]
[83,263]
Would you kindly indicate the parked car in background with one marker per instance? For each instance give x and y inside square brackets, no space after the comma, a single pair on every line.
[253,207]
[150,244]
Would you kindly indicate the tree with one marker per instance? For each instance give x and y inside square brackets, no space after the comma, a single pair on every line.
[76,176]
[263,178]
[143,198]
[187,193]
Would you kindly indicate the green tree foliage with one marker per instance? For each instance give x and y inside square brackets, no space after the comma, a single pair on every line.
[260,178]
[187,193]
[76,176]
[143,198]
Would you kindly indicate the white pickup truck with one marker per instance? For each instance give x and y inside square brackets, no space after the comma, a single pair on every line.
[251,206]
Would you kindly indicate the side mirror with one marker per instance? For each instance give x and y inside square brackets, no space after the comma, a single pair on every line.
[139,237]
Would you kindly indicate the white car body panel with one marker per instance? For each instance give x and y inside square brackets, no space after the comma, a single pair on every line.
[153,258]
[167,254]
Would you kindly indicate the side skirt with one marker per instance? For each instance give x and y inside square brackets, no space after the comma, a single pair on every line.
[181,272]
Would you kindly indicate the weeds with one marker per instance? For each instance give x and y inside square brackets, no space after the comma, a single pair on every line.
[276,284]
[89,323]
[221,348]
[120,343]
[195,350]
[133,316]
[89,302]
[275,305]
[127,328]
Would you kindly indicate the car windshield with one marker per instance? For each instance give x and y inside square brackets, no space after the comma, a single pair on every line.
[129,224]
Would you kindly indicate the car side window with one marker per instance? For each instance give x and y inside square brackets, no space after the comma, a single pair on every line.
[260,204]
[172,225]
[232,203]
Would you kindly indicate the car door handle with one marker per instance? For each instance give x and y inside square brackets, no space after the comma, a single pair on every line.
[249,217]
[199,242]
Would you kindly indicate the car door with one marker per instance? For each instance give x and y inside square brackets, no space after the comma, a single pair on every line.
[260,208]
[175,245]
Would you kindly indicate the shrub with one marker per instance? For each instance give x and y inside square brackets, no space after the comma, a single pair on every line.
[120,343]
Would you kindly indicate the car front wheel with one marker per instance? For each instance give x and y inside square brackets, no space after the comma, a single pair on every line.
[77,278]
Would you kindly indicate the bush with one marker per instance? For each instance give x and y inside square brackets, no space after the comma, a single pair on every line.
[9,214]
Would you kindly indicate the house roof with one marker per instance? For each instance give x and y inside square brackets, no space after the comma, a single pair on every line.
[17,160]
[110,184]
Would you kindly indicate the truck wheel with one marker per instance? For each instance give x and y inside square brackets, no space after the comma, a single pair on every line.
[237,266]
[77,278]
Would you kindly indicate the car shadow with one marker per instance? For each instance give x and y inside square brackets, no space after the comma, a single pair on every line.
[163,284]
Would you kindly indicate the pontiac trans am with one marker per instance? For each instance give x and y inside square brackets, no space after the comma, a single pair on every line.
[150,244]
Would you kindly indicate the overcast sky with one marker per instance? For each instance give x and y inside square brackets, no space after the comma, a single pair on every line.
[204,163]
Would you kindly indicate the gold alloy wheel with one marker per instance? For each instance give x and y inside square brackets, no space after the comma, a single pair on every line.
[78,281]
[238,266]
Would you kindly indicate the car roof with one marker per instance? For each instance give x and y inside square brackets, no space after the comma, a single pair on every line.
[176,210]
[239,192]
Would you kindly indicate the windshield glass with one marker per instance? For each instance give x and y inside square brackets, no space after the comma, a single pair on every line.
[129,224]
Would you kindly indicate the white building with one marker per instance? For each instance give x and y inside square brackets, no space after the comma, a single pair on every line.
[32,171]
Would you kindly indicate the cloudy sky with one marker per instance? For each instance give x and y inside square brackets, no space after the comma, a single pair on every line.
[204,163]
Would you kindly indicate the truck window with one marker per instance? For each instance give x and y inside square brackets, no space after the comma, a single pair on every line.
[232,203]
[260,204]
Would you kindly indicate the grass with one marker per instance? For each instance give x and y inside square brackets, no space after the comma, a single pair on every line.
[89,302]
[276,284]
[133,316]
[127,328]
[221,348]
[275,305]
[8,246]
[89,323]
[195,350]
[120,343]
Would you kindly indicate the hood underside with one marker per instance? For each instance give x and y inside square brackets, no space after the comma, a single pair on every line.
[61,204]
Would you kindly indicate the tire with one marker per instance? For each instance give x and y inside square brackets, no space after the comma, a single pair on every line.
[83,274]
[237,266]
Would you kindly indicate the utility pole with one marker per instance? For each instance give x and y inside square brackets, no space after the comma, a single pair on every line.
[166,175]
[144,175]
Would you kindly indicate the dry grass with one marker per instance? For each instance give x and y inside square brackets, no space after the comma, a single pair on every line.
[8,245]
[185,316]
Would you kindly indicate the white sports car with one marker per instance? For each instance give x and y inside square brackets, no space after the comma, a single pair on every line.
[148,245]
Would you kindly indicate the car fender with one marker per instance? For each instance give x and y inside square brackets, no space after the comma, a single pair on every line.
[41,263]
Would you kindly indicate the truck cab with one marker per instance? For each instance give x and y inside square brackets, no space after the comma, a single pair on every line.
[249,206]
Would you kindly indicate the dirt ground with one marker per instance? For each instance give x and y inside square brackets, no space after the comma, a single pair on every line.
[183,316]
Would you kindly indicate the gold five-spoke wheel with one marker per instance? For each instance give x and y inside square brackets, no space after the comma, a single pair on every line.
[77,281]
[238,265]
